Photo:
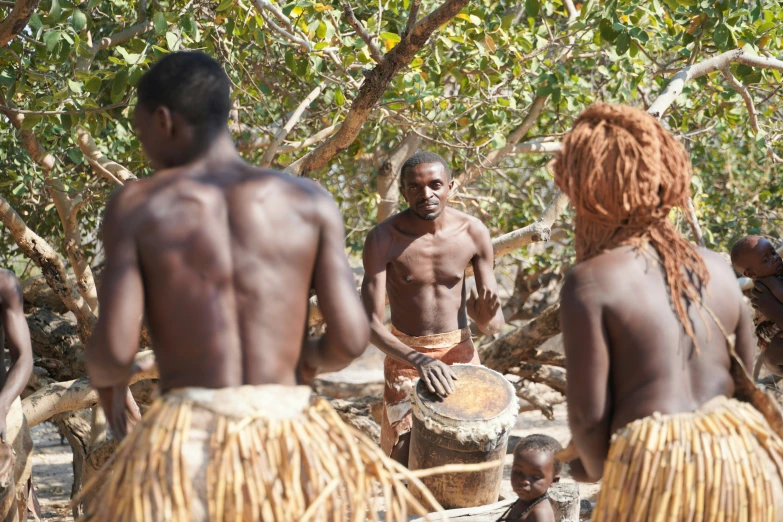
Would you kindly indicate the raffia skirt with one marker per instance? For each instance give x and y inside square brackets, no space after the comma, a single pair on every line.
[253,453]
[721,462]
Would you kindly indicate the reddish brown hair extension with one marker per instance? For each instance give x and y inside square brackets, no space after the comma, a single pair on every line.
[623,173]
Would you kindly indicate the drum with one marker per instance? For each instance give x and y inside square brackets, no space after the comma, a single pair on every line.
[469,426]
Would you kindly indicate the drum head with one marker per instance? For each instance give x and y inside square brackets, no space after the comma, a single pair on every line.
[480,394]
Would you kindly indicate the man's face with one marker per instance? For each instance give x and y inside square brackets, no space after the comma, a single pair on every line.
[761,259]
[426,189]
[151,133]
[532,473]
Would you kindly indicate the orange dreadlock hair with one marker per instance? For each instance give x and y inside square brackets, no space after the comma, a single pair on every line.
[623,173]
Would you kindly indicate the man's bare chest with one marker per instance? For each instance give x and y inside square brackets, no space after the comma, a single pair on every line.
[429,262]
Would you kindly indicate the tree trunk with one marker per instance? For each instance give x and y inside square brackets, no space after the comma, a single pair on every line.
[564,497]
[388,175]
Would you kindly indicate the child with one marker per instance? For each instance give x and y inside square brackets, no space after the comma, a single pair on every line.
[533,471]
[756,258]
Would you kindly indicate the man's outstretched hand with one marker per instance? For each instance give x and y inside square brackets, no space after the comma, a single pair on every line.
[118,403]
[482,308]
[765,302]
[437,376]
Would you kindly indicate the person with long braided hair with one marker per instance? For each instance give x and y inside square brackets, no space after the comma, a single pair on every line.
[653,329]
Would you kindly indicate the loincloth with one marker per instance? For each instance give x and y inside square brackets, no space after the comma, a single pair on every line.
[252,453]
[722,460]
[452,348]
[766,330]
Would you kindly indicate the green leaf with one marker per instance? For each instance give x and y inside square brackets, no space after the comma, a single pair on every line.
[75,86]
[290,60]
[66,121]
[78,20]
[35,21]
[92,84]
[607,31]
[225,5]
[119,85]
[339,99]
[321,31]
[498,141]
[55,10]
[390,37]
[722,36]
[160,24]
[532,7]
[51,39]
[30,121]
[171,41]
[76,155]
[622,44]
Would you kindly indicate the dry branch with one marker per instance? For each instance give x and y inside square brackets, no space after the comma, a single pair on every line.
[270,152]
[312,140]
[83,63]
[538,146]
[388,175]
[362,32]
[67,209]
[289,32]
[73,395]
[17,19]
[374,86]
[552,376]
[102,165]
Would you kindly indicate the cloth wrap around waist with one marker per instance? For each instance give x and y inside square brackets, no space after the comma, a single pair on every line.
[399,378]
[721,462]
[251,453]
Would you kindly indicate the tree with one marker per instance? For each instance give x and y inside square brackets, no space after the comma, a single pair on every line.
[344,91]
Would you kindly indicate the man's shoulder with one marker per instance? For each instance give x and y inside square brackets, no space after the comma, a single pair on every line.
[9,283]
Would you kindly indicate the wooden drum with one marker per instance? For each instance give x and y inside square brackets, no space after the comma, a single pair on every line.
[469,426]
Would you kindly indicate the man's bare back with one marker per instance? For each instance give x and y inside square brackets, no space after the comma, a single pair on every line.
[225,257]
[617,306]
[218,255]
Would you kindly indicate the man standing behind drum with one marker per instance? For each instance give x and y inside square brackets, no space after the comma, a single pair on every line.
[419,256]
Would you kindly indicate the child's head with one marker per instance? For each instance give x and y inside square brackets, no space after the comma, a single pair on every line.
[535,467]
[754,257]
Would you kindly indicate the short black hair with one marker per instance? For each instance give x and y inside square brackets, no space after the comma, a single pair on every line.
[739,247]
[420,157]
[543,443]
[191,84]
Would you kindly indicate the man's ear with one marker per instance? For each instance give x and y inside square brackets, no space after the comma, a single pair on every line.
[164,120]
[451,185]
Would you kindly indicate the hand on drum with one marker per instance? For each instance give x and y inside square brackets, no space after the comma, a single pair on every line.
[437,376]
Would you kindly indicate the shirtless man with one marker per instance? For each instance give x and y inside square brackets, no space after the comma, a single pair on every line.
[756,258]
[419,257]
[14,432]
[637,365]
[220,257]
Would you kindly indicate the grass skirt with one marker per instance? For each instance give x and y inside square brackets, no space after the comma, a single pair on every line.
[249,454]
[722,462]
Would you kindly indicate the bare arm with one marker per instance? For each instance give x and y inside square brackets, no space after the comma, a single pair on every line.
[587,366]
[775,285]
[437,376]
[347,332]
[115,340]
[745,345]
[17,339]
[484,307]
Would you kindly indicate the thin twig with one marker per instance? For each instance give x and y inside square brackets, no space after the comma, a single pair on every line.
[414,14]
[360,30]
[122,103]
[754,124]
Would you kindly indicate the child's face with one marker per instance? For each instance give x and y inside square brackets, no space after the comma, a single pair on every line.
[532,473]
[761,260]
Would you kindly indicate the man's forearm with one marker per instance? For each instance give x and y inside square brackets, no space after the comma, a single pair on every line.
[18,375]
[592,444]
[391,346]
[104,374]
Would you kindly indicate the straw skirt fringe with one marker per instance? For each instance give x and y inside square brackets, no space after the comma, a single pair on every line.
[721,462]
[308,467]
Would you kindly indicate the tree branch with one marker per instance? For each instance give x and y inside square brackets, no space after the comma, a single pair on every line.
[472,172]
[362,32]
[312,140]
[17,19]
[716,63]
[754,123]
[690,212]
[388,175]
[98,161]
[83,63]
[269,153]
[52,267]
[414,14]
[374,86]
[288,32]
[572,12]
[66,210]
[538,146]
